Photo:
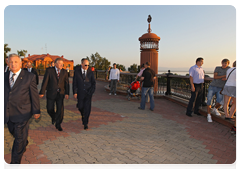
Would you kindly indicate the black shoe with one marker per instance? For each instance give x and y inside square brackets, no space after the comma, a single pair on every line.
[85,127]
[189,115]
[140,108]
[58,127]
[53,121]
[151,109]
[198,114]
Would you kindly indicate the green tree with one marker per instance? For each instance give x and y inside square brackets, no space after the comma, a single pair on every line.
[6,50]
[22,52]
[98,62]
[133,68]
[121,66]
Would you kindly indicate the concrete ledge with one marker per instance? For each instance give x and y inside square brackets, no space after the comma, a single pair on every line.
[184,103]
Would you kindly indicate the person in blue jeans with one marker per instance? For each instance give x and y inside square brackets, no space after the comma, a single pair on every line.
[215,87]
[148,78]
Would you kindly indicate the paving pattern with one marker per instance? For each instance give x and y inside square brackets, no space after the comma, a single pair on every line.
[120,133]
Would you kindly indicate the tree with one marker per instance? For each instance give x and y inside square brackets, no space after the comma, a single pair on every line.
[99,63]
[121,66]
[133,68]
[6,50]
[22,52]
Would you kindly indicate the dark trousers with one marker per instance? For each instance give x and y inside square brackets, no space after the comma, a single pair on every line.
[196,99]
[84,106]
[20,133]
[113,86]
[58,114]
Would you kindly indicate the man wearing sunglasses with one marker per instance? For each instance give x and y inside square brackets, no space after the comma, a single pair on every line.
[83,88]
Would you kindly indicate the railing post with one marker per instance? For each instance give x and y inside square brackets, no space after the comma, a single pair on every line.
[168,92]
[204,95]
[96,74]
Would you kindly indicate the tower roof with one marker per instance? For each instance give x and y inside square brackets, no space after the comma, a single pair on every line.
[149,36]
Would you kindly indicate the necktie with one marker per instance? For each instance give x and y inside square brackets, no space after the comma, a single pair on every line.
[84,75]
[58,73]
[12,80]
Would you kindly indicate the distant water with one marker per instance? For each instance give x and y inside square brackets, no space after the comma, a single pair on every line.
[183,73]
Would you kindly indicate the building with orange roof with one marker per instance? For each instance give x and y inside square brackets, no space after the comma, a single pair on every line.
[45,60]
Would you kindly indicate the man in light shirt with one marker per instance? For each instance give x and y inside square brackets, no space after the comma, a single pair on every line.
[114,78]
[196,74]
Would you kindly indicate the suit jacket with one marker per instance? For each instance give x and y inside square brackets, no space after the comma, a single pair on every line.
[51,83]
[34,71]
[5,68]
[22,101]
[83,87]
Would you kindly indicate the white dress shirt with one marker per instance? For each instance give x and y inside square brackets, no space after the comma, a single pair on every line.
[85,72]
[197,74]
[57,70]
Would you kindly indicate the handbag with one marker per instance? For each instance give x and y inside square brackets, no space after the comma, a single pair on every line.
[226,80]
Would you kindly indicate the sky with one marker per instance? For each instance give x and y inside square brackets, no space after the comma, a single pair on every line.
[76,31]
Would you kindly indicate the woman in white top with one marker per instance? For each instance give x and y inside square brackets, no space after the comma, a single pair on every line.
[229,92]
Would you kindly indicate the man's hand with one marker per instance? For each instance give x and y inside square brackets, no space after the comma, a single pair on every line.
[75,96]
[66,96]
[41,95]
[36,116]
[192,88]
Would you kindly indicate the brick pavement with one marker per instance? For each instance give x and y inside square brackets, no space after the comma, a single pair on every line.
[119,133]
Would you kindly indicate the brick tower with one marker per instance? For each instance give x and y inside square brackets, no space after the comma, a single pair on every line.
[149,49]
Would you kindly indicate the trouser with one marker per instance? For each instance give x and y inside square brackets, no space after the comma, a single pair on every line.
[19,131]
[84,106]
[113,86]
[145,91]
[196,99]
[58,115]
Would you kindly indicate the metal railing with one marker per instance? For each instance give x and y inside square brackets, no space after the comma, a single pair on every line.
[168,84]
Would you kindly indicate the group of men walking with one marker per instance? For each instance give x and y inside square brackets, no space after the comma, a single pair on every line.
[21,97]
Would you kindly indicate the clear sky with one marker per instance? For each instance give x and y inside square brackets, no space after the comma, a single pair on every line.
[77,31]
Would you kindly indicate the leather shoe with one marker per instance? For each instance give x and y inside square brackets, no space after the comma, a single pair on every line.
[189,115]
[58,127]
[140,108]
[53,121]
[85,127]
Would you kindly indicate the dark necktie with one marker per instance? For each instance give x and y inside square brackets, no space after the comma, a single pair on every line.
[84,74]
[12,80]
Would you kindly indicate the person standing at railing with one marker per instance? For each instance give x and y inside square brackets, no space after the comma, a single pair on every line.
[196,74]
[229,92]
[108,74]
[148,78]
[215,87]
[114,78]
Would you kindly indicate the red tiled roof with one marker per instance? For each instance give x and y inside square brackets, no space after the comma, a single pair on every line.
[43,56]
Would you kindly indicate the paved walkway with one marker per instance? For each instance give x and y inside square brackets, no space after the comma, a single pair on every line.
[119,133]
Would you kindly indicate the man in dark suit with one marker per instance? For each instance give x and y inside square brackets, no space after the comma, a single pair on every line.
[20,103]
[32,70]
[83,88]
[6,67]
[56,83]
